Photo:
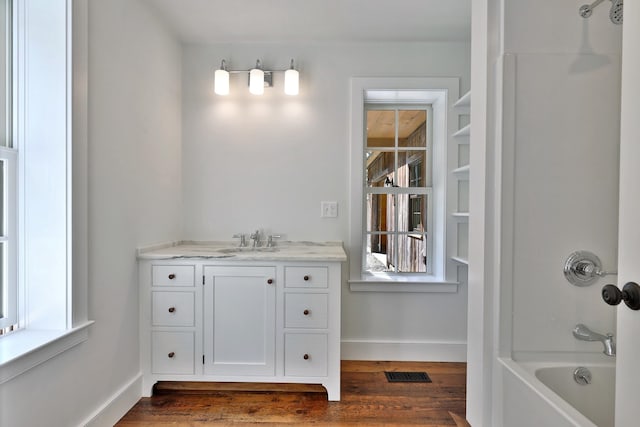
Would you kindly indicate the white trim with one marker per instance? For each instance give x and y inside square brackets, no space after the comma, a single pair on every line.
[402,284]
[443,91]
[116,406]
[23,350]
[416,351]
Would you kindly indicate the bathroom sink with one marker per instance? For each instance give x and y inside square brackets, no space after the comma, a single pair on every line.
[247,250]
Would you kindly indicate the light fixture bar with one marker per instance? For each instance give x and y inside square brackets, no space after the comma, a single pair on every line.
[258,79]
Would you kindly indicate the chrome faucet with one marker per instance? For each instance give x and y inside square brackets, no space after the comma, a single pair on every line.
[256,238]
[243,239]
[583,333]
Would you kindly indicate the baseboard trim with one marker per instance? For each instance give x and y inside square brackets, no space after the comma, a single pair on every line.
[404,351]
[117,405]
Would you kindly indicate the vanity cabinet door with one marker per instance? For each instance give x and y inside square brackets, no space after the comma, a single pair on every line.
[239,320]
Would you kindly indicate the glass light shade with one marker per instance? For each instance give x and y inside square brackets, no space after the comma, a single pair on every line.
[221,82]
[291,78]
[256,81]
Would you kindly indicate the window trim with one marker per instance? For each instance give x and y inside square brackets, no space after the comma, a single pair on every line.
[404,90]
[29,347]
[10,300]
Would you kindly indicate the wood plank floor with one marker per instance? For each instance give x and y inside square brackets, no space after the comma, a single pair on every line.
[367,400]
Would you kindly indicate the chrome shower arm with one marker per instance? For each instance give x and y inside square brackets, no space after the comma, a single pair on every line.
[587,9]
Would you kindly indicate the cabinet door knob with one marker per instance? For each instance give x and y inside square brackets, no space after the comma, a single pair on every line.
[306,312]
[306,357]
[170,355]
[172,309]
[172,276]
[306,278]
[270,281]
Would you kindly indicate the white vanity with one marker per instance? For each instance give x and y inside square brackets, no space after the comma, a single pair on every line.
[214,312]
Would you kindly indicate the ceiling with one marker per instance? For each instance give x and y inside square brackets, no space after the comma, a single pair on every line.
[381,123]
[300,21]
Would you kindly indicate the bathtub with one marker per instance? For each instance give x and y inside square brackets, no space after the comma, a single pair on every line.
[549,396]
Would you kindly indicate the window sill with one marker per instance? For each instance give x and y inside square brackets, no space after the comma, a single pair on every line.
[382,282]
[23,350]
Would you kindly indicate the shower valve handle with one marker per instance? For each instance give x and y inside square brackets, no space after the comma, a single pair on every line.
[630,294]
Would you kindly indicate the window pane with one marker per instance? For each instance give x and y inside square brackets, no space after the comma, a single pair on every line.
[3,191]
[379,168]
[3,280]
[380,212]
[412,171]
[377,259]
[412,129]
[412,253]
[5,73]
[412,212]
[381,128]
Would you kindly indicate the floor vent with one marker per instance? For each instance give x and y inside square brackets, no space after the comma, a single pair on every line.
[407,377]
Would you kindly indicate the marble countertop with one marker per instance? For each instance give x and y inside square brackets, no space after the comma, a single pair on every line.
[282,251]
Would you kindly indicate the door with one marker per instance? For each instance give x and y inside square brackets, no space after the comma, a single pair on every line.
[628,327]
[239,320]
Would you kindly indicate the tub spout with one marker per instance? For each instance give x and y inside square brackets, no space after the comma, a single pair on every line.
[583,333]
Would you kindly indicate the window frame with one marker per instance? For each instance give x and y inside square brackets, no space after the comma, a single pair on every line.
[55,264]
[425,190]
[8,239]
[441,92]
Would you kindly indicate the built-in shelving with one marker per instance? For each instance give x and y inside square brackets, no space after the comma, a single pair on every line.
[461,172]
[464,101]
[460,215]
[460,260]
[463,134]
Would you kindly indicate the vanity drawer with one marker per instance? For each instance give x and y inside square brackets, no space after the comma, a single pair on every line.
[173,309]
[305,277]
[172,352]
[172,275]
[305,310]
[305,355]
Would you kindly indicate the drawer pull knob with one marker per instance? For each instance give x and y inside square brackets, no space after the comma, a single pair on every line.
[306,312]
[172,309]
[270,281]
[306,357]
[172,276]
[170,355]
[306,278]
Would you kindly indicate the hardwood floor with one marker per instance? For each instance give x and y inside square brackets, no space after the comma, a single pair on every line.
[367,400]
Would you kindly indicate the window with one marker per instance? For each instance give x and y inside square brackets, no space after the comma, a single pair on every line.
[8,182]
[401,224]
[38,293]
[398,189]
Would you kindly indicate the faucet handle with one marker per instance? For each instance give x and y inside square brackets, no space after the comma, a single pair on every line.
[242,237]
[270,242]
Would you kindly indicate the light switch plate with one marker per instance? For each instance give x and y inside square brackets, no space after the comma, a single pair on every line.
[329,209]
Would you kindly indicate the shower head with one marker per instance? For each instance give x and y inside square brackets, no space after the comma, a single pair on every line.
[615,13]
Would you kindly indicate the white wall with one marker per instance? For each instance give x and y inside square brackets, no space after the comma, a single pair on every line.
[134,197]
[267,162]
[567,114]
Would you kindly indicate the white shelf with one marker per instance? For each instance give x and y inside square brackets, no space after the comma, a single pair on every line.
[464,101]
[460,260]
[464,132]
[461,170]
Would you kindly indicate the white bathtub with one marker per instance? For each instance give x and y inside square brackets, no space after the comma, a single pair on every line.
[547,393]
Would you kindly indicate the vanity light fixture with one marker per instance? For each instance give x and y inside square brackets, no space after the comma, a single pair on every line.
[256,79]
[259,78]
[291,78]
[221,81]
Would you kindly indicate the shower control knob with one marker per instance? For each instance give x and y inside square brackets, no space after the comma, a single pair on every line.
[630,294]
